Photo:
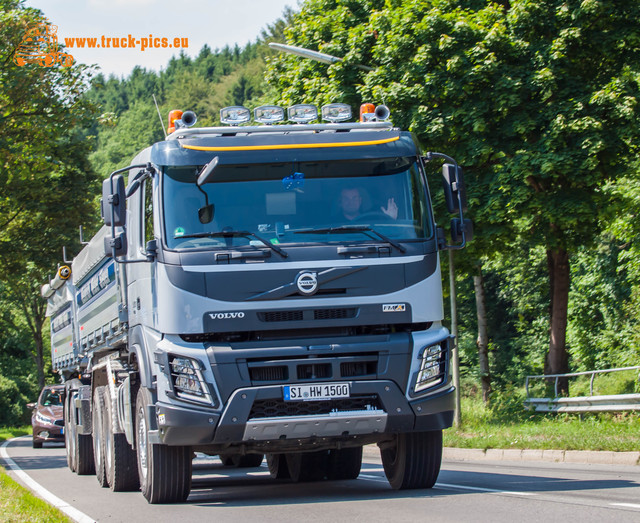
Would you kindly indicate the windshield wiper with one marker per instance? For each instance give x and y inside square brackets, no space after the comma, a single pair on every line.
[233,234]
[353,228]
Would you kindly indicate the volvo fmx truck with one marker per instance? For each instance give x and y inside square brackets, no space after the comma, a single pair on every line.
[261,288]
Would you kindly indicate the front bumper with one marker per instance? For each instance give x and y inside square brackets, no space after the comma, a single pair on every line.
[48,433]
[386,411]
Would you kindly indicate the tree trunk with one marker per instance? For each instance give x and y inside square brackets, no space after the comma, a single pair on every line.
[483,339]
[559,278]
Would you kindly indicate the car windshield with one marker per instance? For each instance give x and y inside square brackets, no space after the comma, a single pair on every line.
[51,398]
[295,203]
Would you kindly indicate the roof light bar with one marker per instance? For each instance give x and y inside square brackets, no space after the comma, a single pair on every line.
[303,113]
[336,112]
[234,115]
[268,114]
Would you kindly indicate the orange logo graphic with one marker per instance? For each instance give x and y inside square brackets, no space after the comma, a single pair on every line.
[40,46]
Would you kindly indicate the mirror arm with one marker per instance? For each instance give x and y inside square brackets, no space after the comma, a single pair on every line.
[427,158]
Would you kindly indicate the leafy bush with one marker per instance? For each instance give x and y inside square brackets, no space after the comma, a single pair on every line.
[12,403]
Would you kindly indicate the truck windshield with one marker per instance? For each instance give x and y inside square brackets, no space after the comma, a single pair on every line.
[296,203]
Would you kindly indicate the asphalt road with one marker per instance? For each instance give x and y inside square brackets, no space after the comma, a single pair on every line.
[466,491]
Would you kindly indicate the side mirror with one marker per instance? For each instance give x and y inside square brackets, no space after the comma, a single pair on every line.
[205,214]
[455,192]
[115,246]
[32,405]
[114,201]
[457,227]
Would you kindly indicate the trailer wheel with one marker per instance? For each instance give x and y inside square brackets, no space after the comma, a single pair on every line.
[307,466]
[413,459]
[240,461]
[344,463]
[98,435]
[165,472]
[278,468]
[121,465]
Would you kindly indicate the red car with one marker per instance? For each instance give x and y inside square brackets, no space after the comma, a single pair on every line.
[47,418]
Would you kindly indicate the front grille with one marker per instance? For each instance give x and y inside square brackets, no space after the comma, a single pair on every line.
[280,316]
[277,408]
[278,373]
[314,371]
[59,422]
[334,314]
[314,314]
[358,368]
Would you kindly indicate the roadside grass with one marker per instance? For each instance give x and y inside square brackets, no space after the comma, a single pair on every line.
[17,504]
[13,432]
[506,424]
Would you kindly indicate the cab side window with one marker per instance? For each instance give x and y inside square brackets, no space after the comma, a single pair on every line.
[147,209]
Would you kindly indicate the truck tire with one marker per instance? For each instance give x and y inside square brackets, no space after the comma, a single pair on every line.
[98,435]
[121,465]
[307,466]
[85,465]
[413,460]
[165,472]
[240,461]
[344,463]
[79,447]
[278,468]
[70,431]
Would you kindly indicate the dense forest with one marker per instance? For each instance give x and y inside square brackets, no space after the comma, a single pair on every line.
[538,100]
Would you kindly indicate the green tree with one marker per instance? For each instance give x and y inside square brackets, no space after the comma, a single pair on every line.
[538,99]
[46,183]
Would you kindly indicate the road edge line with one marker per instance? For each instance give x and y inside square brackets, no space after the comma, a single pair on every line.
[39,490]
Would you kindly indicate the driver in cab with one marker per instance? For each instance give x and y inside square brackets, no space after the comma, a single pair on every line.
[351,203]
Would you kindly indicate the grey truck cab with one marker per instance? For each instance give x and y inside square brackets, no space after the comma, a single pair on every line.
[276,290]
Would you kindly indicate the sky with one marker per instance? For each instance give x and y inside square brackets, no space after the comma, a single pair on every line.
[194,22]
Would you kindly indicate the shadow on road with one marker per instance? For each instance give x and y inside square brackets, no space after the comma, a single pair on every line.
[524,483]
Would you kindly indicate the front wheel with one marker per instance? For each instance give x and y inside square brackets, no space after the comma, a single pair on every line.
[412,460]
[165,472]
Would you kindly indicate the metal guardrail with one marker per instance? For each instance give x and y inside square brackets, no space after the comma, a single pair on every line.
[591,403]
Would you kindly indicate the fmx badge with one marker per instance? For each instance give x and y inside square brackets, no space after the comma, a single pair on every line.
[394,307]
[40,46]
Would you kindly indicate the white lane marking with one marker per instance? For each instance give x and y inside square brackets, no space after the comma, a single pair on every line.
[258,473]
[461,487]
[372,478]
[482,489]
[627,505]
[50,498]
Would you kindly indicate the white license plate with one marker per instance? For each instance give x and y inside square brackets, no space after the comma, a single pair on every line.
[325,391]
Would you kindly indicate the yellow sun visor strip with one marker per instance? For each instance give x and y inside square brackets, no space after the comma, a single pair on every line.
[289,146]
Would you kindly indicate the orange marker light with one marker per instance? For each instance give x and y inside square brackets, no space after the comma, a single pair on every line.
[369,109]
[174,115]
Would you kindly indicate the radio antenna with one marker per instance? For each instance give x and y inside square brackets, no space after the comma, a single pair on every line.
[159,115]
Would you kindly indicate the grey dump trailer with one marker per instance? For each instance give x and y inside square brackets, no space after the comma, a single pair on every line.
[260,290]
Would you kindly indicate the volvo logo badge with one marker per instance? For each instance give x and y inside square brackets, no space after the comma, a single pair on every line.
[307,283]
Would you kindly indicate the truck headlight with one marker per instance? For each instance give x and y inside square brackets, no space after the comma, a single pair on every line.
[187,380]
[432,368]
